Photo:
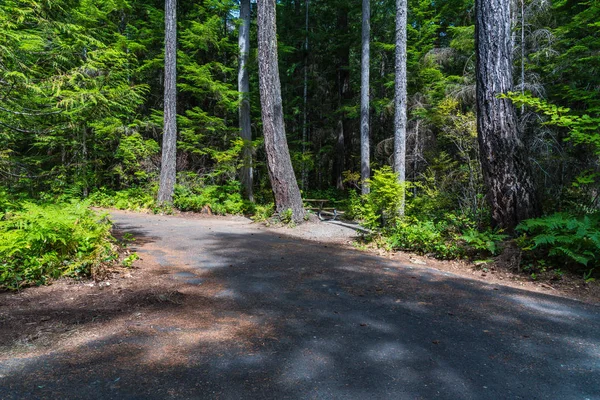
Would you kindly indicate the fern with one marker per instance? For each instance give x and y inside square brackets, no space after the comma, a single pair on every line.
[42,242]
[563,238]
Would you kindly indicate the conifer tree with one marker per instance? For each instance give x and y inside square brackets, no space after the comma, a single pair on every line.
[169,149]
[400,97]
[244,107]
[283,181]
[510,189]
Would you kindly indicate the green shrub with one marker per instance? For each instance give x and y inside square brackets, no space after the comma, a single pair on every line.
[44,242]
[261,213]
[6,203]
[222,199]
[425,237]
[128,199]
[563,238]
[483,242]
[380,207]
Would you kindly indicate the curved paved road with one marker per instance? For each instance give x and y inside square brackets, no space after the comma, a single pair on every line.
[299,320]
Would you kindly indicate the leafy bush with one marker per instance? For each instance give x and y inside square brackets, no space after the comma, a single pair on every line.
[262,213]
[563,238]
[381,206]
[6,203]
[134,153]
[483,242]
[425,228]
[425,237]
[129,199]
[222,199]
[44,242]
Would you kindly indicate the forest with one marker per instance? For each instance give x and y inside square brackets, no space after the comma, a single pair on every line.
[451,128]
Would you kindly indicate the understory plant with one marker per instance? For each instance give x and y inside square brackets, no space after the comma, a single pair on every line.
[42,242]
[563,240]
[426,228]
[136,198]
[380,207]
[221,199]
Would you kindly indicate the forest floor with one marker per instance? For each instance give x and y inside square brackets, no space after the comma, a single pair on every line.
[219,307]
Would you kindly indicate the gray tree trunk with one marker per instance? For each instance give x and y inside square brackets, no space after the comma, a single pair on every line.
[283,181]
[169,147]
[400,97]
[84,164]
[510,188]
[365,168]
[246,172]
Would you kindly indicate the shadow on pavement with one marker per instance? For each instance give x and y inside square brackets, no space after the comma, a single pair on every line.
[293,319]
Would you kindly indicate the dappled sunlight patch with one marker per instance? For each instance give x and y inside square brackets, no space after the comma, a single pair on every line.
[553,310]
[388,352]
[305,364]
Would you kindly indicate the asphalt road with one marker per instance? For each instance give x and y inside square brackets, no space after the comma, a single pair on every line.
[329,323]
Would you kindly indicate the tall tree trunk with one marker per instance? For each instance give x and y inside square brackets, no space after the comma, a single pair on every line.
[400,97]
[305,102]
[522,52]
[343,144]
[283,181]
[84,167]
[510,188]
[338,160]
[244,108]
[169,147]
[365,169]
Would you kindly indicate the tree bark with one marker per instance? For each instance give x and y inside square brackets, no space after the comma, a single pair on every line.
[283,181]
[246,172]
[365,169]
[169,148]
[400,98]
[338,161]
[510,188]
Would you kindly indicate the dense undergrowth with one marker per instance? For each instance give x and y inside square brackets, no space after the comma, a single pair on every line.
[431,223]
[40,242]
[558,242]
[58,236]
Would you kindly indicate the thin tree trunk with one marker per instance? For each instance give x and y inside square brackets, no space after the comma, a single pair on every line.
[343,144]
[510,188]
[365,169]
[305,105]
[283,181]
[84,167]
[338,161]
[169,148]
[244,108]
[400,98]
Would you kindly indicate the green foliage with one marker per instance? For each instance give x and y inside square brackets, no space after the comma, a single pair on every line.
[381,206]
[6,203]
[134,153]
[128,261]
[262,213]
[425,237]
[47,241]
[486,242]
[285,216]
[563,239]
[129,199]
[222,199]
[583,129]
